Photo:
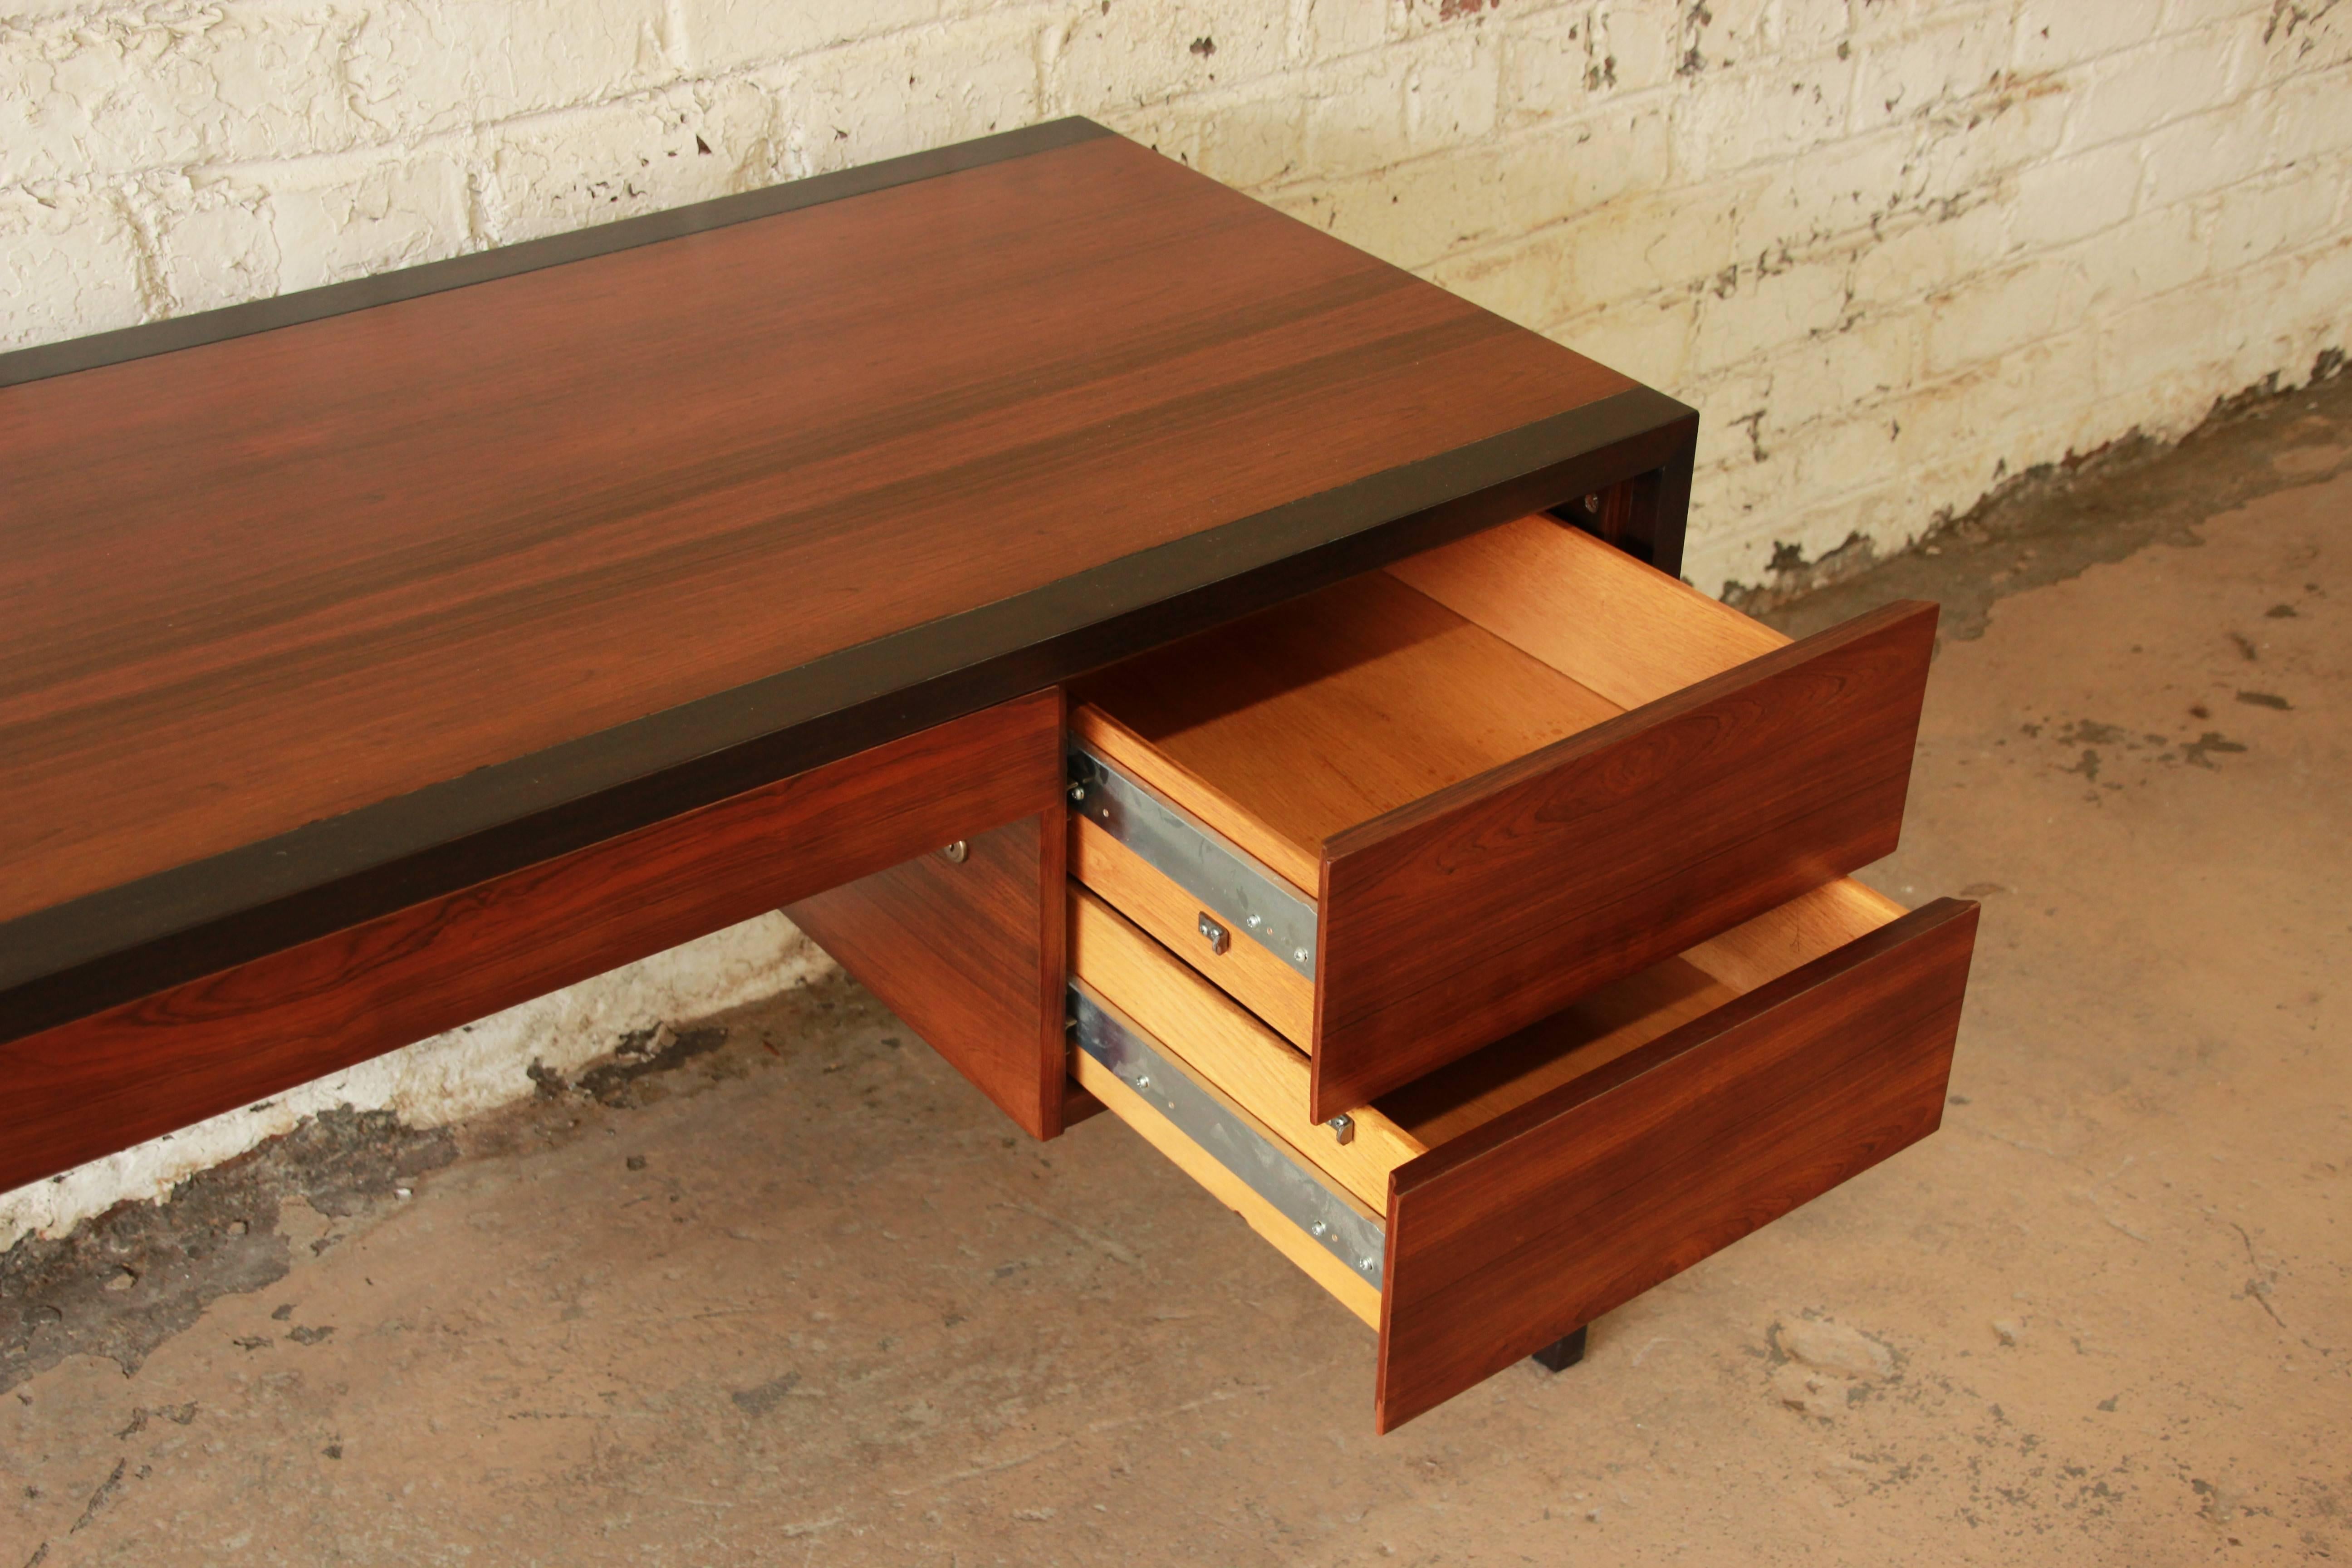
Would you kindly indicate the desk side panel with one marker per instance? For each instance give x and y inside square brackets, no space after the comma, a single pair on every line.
[102,1083]
[970,953]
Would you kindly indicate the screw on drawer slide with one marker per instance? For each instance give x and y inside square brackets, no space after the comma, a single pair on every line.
[1135,1059]
[1251,899]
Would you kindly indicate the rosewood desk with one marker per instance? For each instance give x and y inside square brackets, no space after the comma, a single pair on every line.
[1179,662]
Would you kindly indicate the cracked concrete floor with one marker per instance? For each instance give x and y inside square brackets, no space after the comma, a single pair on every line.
[803,1299]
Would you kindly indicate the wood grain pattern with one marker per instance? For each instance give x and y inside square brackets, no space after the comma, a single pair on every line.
[1227,1048]
[1352,1291]
[1626,630]
[1508,1239]
[1484,907]
[505,546]
[102,1083]
[970,954]
[1327,712]
[1245,971]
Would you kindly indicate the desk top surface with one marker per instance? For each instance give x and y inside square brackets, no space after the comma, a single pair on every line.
[284,604]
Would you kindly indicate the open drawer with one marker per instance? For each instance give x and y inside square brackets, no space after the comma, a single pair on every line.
[1502,1203]
[1405,816]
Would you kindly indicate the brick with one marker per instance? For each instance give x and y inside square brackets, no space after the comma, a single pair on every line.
[1250,137]
[1869,358]
[730,34]
[418,67]
[909,91]
[2132,93]
[1846,190]
[1763,313]
[1131,55]
[1354,114]
[1453,83]
[1931,256]
[96,92]
[1410,214]
[1649,339]
[1815,26]
[2149,342]
[2311,115]
[1939,69]
[2002,311]
[1554,64]
[2053,35]
[1859,449]
[2070,198]
[1644,39]
[2250,223]
[1569,170]
[72,258]
[2005,407]
[1721,35]
[1653,245]
[1761,114]
[2266,43]
[2292,307]
[1530,281]
[1414,19]
[1998,133]
[213,241]
[1334,27]
[351,215]
[2154,253]
[551,173]
[2192,157]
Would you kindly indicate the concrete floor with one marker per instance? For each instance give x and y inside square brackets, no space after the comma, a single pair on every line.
[794,1294]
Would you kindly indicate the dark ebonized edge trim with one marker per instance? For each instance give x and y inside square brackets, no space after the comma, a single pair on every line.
[193,331]
[109,947]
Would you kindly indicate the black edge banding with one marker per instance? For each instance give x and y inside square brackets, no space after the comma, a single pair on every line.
[80,957]
[200,328]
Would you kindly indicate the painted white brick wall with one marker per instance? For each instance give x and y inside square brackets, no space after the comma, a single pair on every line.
[1893,250]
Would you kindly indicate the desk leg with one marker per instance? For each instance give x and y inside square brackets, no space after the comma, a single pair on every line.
[969,952]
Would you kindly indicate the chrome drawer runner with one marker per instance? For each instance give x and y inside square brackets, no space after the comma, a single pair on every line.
[1196,857]
[1135,1059]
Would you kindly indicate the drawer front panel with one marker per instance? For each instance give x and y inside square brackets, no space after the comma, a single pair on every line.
[1514,1236]
[1451,923]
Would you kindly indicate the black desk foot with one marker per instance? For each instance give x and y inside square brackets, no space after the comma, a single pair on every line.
[1561,1354]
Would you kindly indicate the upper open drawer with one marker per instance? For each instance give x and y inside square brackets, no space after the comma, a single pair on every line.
[1405,816]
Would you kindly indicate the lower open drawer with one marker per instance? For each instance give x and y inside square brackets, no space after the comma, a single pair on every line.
[1498,1205]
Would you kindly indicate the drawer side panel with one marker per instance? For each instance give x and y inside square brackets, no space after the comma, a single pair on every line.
[1506,1240]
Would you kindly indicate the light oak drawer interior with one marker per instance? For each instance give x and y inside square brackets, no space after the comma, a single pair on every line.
[1532,1185]
[1478,784]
